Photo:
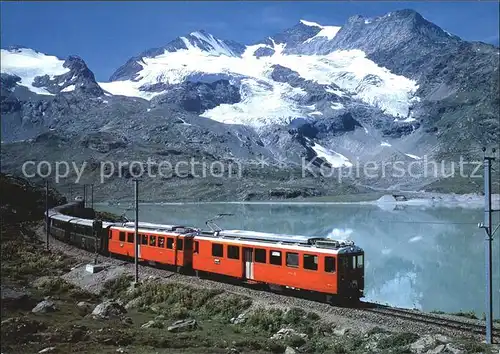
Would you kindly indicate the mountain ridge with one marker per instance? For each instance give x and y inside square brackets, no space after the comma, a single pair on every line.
[391,87]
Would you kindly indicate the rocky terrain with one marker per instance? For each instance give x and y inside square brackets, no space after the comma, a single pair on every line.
[395,88]
[50,304]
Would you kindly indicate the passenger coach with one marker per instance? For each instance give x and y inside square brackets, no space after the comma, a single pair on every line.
[164,244]
[316,264]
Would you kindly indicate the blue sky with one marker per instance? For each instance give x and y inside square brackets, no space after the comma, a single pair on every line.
[106,34]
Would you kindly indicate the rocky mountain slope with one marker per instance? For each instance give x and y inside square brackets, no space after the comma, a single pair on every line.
[391,88]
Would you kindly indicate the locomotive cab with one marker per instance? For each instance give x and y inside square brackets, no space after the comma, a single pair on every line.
[351,272]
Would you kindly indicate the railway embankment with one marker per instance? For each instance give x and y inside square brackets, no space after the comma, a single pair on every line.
[50,304]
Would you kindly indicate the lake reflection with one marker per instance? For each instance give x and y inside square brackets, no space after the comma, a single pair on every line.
[423,257]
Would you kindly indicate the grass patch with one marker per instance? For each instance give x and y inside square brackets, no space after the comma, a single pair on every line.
[57,286]
[475,347]
[397,340]
[225,307]
[438,312]
[170,294]
[115,287]
[468,314]
[25,261]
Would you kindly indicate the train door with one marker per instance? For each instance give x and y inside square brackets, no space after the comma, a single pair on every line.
[188,251]
[67,232]
[248,263]
[104,236]
[351,275]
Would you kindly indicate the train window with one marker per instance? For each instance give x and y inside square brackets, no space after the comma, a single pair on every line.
[196,247]
[233,252]
[161,241]
[170,242]
[144,239]
[330,265]
[353,262]
[260,255]
[217,250]
[152,240]
[130,237]
[122,236]
[180,244]
[310,262]
[292,259]
[275,258]
[360,261]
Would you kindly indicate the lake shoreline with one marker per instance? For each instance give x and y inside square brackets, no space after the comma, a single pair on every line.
[429,199]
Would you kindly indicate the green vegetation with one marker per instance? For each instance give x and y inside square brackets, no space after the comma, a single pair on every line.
[24,260]
[467,314]
[397,340]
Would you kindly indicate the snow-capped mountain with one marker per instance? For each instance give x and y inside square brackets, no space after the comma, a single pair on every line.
[264,100]
[45,74]
[372,88]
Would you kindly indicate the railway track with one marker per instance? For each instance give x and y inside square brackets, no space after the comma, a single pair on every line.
[406,320]
[432,319]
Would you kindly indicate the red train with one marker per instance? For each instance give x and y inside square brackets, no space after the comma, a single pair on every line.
[316,264]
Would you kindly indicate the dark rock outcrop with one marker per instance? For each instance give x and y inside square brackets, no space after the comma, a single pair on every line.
[198,97]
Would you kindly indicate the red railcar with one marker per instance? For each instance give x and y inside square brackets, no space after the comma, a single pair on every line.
[171,245]
[305,263]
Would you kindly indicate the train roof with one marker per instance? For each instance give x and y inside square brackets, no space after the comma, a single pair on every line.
[156,227]
[174,230]
[315,244]
[242,236]
[74,220]
[264,236]
[282,239]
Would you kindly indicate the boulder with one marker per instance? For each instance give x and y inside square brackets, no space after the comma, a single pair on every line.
[84,306]
[108,308]
[340,331]
[290,350]
[286,333]
[182,326]
[133,303]
[239,319]
[44,307]
[152,324]
[423,344]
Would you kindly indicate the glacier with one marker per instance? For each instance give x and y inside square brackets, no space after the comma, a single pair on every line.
[265,101]
[27,64]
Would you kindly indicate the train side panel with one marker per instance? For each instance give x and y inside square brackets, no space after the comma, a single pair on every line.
[267,264]
[165,248]
[215,259]
[297,269]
